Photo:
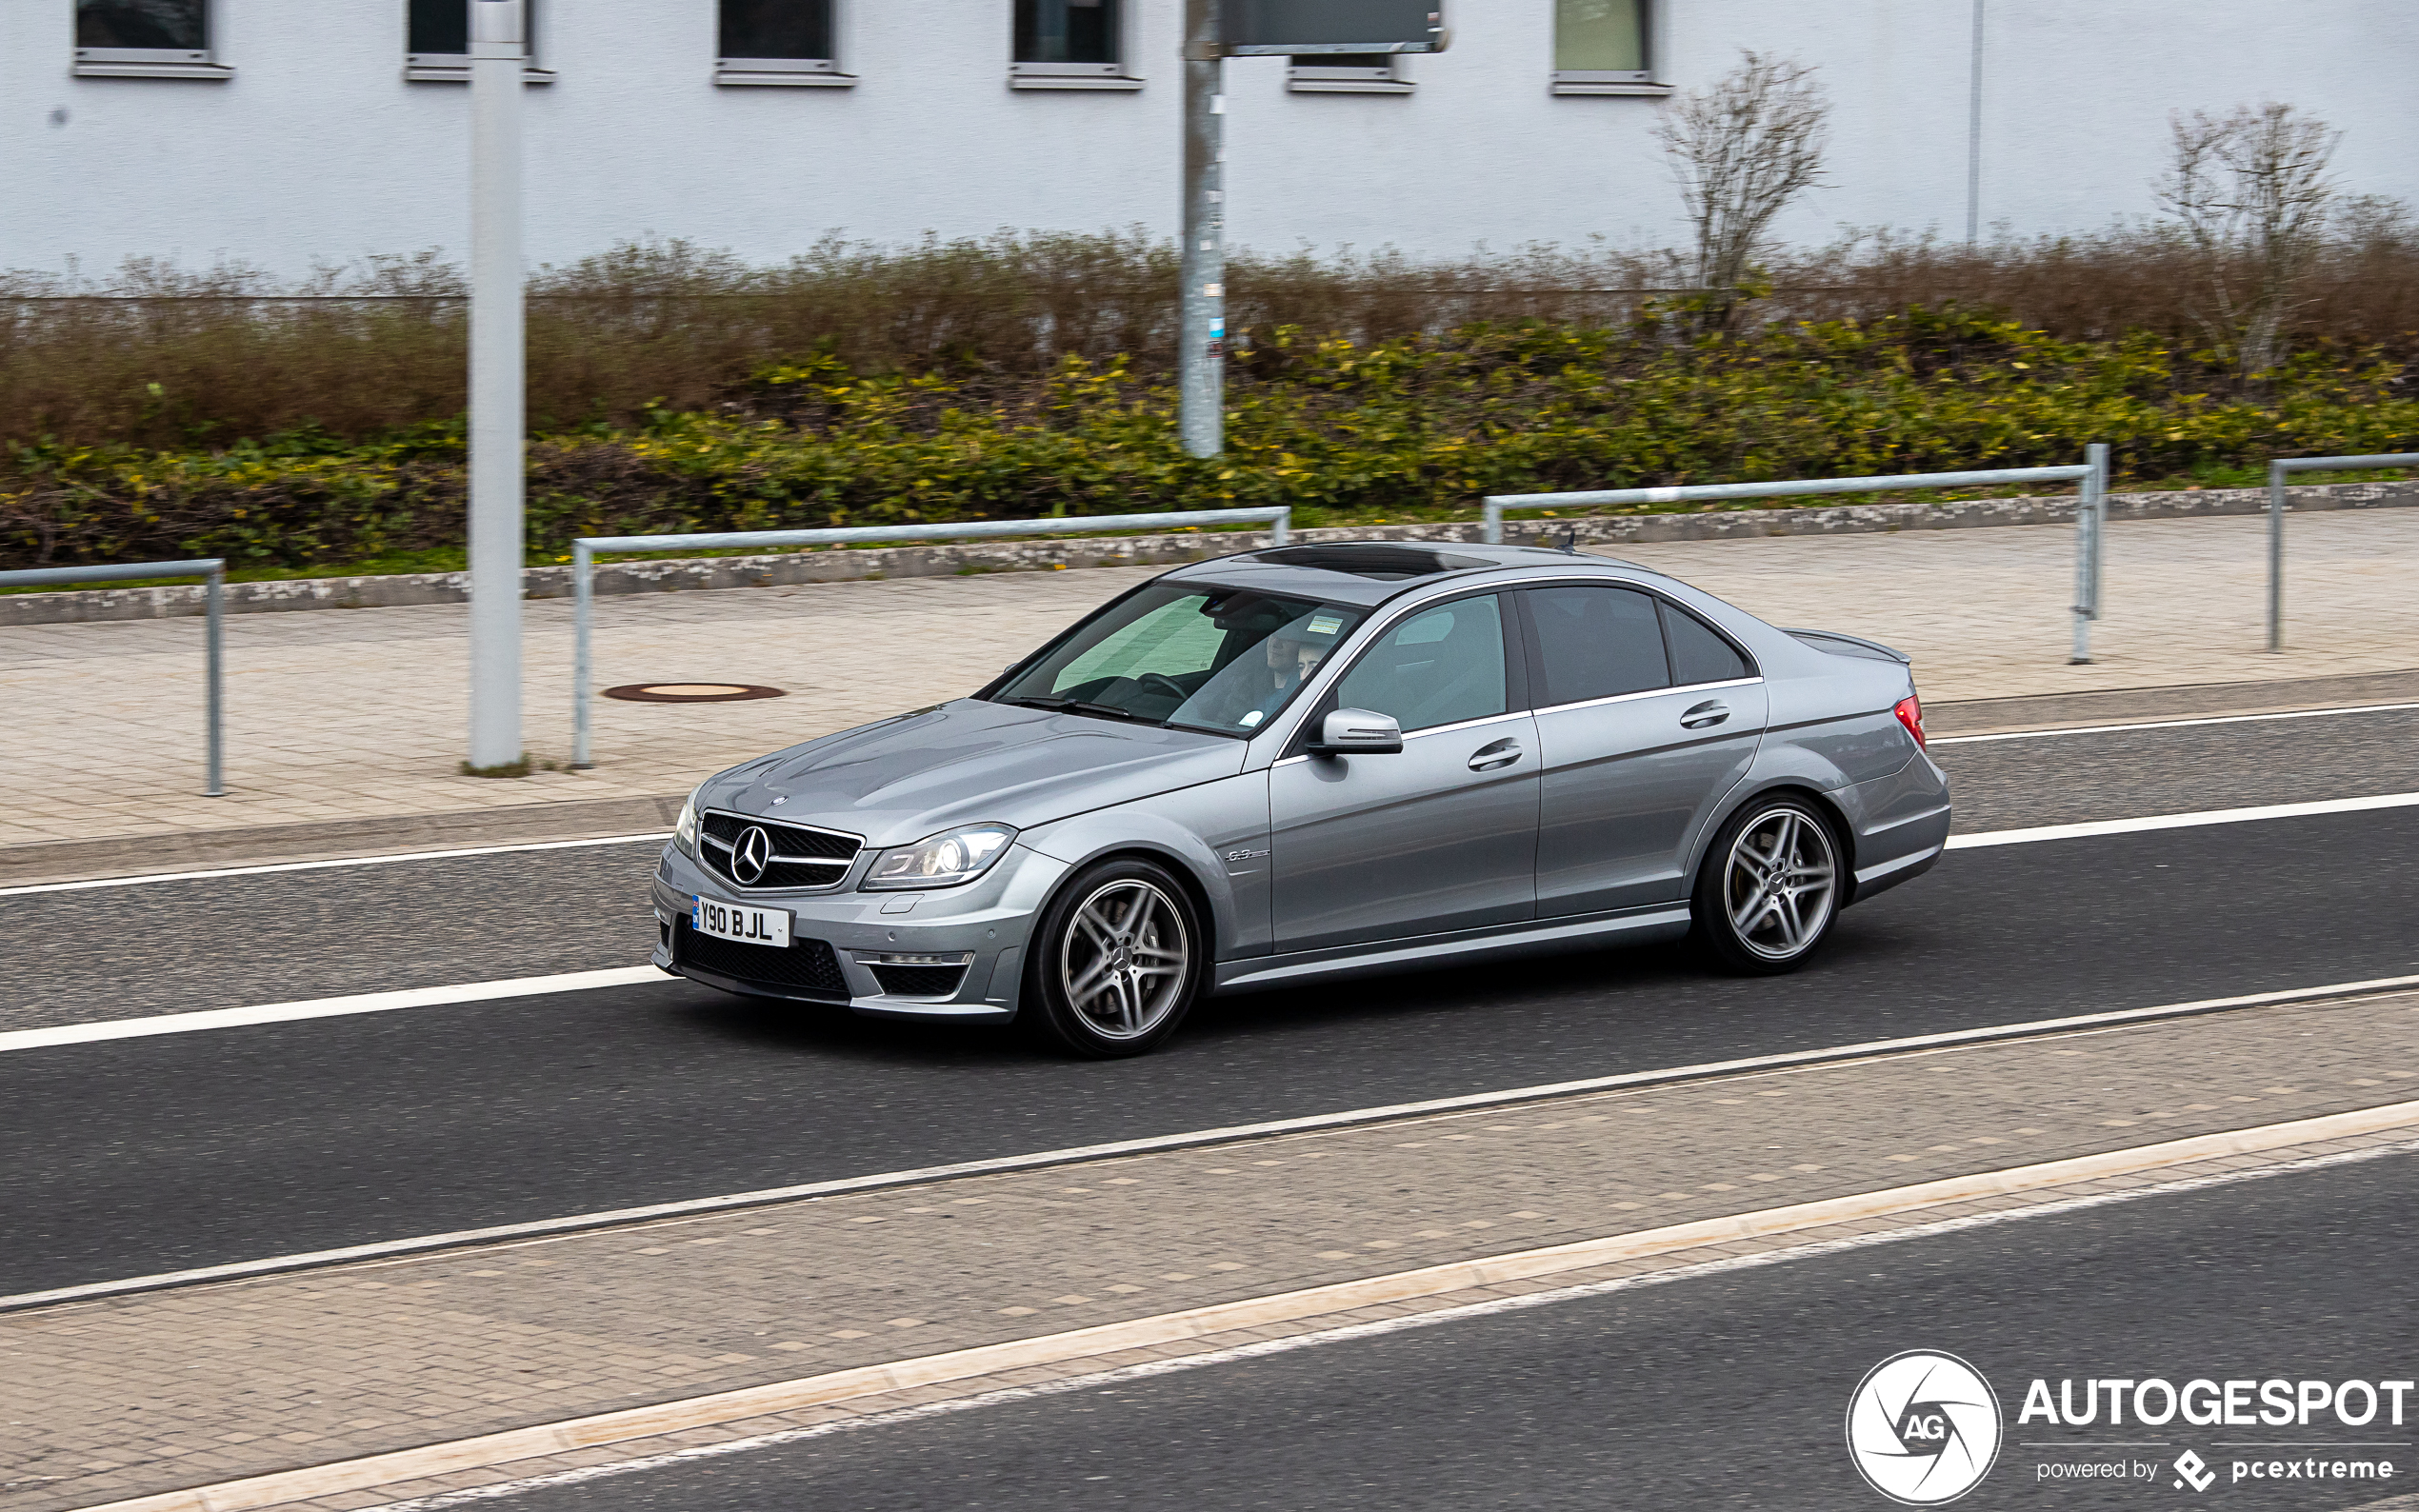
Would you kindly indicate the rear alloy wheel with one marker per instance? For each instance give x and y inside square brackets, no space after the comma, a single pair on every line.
[1770,886]
[1116,961]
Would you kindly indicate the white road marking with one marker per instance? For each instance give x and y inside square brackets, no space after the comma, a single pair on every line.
[1997,837]
[2172,724]
[632,840]
[271,867]
[2208,816]
[625,976]
[328,1007]
[368,1472]
[543,1228]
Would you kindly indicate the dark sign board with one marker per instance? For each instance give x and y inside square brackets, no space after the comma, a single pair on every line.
[1333,26]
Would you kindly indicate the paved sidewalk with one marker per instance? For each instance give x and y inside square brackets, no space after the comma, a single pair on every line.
[143,1394]
[338,717]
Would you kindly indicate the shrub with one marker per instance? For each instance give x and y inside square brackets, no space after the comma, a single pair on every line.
[1327,423]
[167,359]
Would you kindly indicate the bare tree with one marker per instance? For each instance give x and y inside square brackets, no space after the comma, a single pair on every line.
[1741,151]
[2250,192]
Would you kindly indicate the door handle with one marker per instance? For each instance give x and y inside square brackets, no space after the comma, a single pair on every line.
[1497,754]
[1712,711]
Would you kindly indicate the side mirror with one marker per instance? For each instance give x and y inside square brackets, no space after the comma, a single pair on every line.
[1357,732]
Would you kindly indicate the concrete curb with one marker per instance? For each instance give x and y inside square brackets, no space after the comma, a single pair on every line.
[1258,1312]
[682,575]
[201,849]
[2129,706]
[587,818]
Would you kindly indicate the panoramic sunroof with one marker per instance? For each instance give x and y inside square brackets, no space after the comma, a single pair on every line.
[1390,564]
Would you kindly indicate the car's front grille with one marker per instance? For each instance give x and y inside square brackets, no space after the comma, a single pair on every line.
[807,966]
[801,857]
[919,982]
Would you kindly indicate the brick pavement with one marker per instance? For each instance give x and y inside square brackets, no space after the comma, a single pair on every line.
[350,715]
[426,1487]
[147,1393]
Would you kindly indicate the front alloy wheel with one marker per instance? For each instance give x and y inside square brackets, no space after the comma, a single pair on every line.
[1116,961]
[1770,886]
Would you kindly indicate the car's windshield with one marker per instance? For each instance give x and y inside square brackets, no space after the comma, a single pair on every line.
[1200,658]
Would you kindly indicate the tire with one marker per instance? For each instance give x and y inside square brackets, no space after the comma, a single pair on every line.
[1747,923]
[1115,962]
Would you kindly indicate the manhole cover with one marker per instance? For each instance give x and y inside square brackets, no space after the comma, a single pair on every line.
[691,692]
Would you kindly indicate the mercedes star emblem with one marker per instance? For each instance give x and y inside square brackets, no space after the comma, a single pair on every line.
[751,855]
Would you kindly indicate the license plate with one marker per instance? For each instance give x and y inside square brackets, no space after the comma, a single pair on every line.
[732,921]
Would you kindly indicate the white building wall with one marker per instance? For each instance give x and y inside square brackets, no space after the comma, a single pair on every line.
[317,149]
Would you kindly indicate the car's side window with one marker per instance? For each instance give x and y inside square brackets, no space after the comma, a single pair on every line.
[1438,668]
[1596,642]
[1699,654]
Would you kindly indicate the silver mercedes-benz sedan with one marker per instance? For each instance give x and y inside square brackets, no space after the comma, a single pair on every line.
[1308,761]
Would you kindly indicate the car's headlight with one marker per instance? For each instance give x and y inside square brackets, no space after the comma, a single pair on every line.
[944,861]
[684,828]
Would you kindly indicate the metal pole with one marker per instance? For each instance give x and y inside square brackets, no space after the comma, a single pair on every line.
[1279,519]
[497,50]
[1787,487]
[1201,351]
[2088,507]
[1493,530]
[1973,138]
[214,785]
[583,614]
[2275,556]
[2096,487]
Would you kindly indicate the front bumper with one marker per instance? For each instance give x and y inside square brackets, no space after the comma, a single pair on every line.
[836,935]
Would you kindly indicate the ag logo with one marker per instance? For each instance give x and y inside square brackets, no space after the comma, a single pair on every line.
[1923,1428]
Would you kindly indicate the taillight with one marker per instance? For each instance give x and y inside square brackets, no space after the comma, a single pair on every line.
[1910,713]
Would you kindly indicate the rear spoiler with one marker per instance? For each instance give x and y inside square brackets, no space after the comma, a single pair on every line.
[1839,643]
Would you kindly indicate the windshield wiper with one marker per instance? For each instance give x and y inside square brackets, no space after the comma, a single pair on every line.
[1072,706]
[1109,711]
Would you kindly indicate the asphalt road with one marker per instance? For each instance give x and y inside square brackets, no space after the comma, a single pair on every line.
[167,947]
[146,1155]
[1722,1390]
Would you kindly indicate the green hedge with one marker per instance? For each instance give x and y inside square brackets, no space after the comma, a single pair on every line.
[1412,427]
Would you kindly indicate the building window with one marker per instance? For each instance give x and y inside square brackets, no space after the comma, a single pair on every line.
[436,43]
[1604,47]
[1346,73]
[1069,45]
[777,42]
[144,39]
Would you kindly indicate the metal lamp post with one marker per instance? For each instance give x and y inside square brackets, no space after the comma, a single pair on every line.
[1215,31]
[1201,351]
[498,47]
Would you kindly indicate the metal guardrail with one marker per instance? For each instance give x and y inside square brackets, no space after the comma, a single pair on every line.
[2277,469]
[584,549]
[2089,522]
[213,568]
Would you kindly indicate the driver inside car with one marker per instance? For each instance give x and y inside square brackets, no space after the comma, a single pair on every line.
[1291,660]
